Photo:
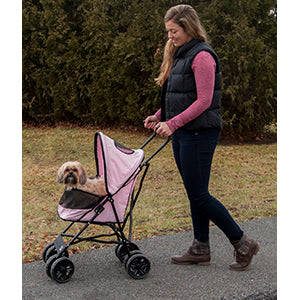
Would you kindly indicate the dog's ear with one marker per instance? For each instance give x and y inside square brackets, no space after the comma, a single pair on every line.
[82,174]
[60,174]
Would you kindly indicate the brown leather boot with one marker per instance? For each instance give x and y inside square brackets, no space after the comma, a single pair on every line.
[245,248]
[198,253]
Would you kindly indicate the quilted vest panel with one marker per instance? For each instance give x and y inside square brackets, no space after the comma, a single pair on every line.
[181,88]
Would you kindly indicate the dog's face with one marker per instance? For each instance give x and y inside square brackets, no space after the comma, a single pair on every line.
[72,174]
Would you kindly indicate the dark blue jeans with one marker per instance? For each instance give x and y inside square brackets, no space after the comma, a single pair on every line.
[193,152]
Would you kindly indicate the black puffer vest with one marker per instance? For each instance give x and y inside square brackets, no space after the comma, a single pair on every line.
[180,92]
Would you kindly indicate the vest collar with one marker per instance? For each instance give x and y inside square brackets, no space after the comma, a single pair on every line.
[185,48]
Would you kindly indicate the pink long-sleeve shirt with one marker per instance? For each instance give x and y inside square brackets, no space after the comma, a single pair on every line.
[204,68]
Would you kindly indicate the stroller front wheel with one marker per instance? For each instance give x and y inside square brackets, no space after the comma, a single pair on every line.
[62,270]
[45,251]
[50,250]
[49,264]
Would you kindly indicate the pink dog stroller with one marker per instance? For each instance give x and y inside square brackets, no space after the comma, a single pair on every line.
[120,166]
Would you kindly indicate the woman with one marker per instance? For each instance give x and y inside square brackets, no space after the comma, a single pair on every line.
[191,112]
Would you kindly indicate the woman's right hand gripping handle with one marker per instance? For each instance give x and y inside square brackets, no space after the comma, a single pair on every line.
[151,122]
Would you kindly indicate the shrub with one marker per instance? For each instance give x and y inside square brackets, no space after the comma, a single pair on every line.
[95,61]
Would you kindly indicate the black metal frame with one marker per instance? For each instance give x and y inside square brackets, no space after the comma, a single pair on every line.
[117,227]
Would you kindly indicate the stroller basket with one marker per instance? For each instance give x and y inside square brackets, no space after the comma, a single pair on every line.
[120,167]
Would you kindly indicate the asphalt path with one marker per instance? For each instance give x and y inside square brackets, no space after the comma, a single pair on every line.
[100,275]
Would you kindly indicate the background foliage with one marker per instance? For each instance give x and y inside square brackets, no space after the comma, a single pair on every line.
[94,61]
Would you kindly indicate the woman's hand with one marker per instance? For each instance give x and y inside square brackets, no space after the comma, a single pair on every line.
[151,122]
[163,129]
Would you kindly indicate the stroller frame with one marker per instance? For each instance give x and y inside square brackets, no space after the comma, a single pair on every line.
[55,254]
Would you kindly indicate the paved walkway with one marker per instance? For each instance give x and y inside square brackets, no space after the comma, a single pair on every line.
[100,275]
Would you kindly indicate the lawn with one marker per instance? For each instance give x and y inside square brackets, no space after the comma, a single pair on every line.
[243,178]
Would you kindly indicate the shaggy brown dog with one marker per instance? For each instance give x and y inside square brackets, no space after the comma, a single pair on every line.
[74,176]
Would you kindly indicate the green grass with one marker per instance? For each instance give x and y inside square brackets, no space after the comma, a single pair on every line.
[243,178]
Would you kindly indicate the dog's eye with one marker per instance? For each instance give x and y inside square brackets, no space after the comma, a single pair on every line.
[75,170]
[67,169]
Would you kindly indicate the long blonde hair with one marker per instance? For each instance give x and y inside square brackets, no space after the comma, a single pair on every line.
[186,17]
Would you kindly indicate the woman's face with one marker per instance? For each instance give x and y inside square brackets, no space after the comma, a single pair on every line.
[177,34]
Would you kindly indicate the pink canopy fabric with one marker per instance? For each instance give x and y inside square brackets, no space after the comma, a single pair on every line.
[119,166]
[115,162]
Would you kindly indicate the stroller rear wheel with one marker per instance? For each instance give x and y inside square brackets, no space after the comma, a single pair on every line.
[138,266]
[62,270]
[123,249]
[131,253]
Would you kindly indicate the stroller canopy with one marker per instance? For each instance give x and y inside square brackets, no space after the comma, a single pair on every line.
[119,166]
[115,162]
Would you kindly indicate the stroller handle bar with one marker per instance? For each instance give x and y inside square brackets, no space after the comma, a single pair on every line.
[160,148]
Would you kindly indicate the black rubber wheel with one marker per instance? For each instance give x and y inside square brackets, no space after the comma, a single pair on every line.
[138,266]
[45,251]
[131,253]
[123,249]
[49,263]
[62,270]
[51,250]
